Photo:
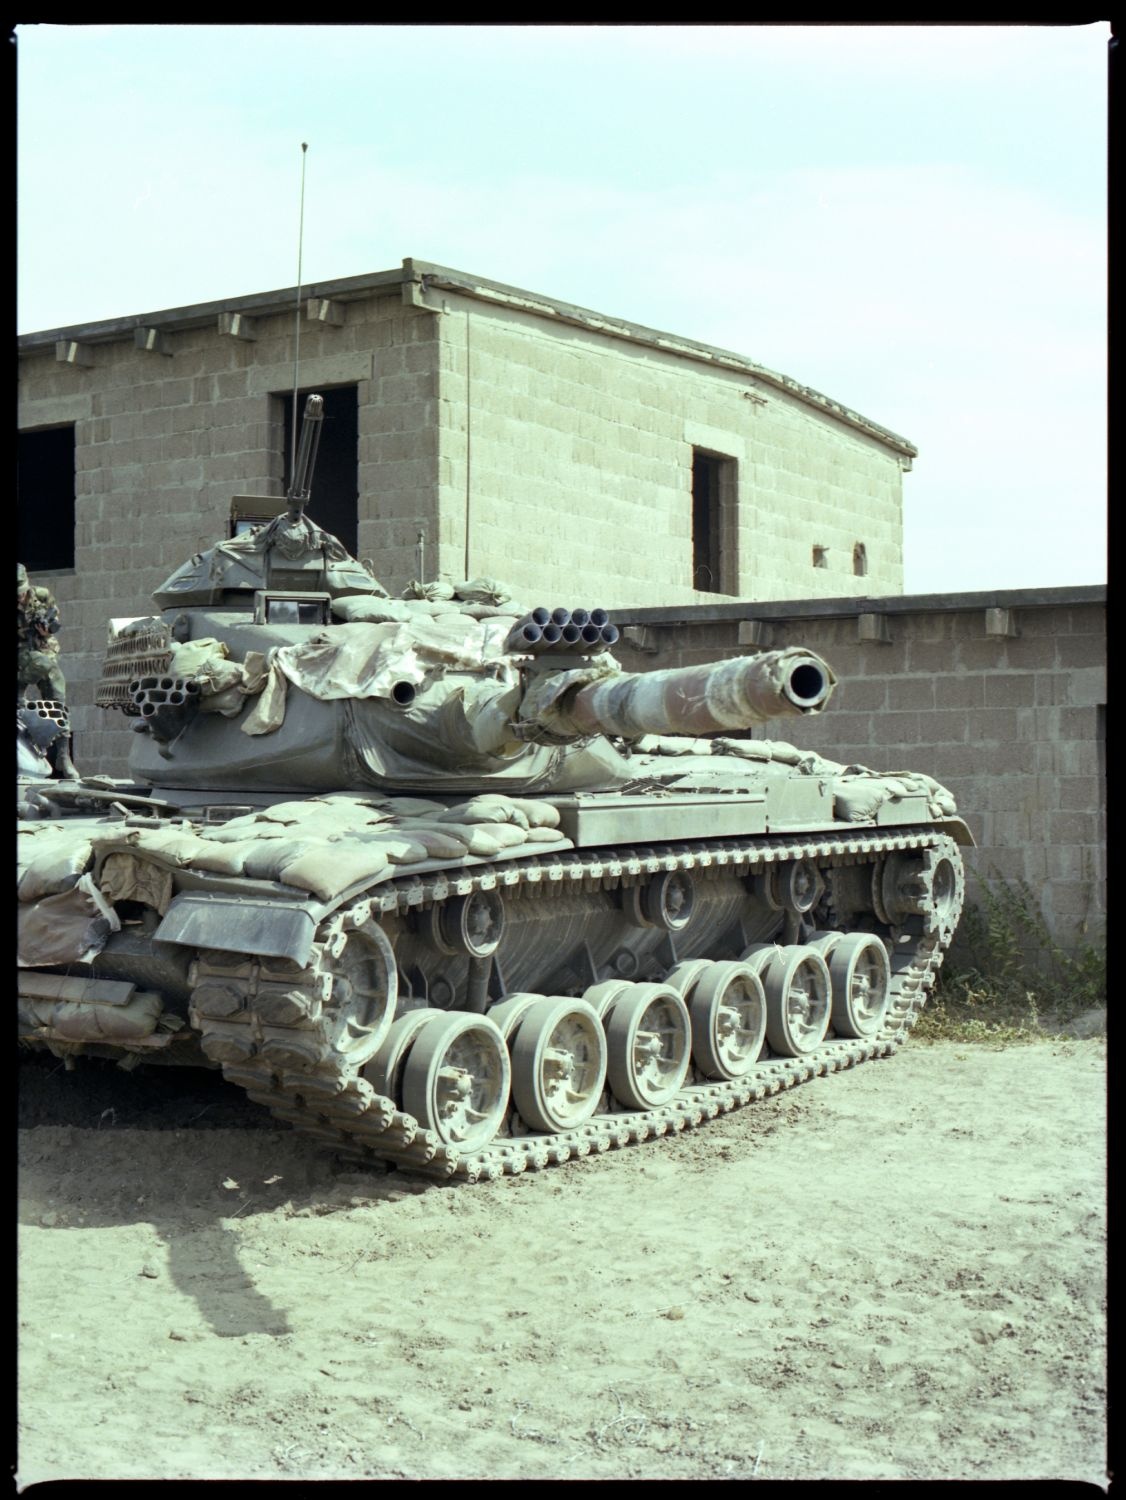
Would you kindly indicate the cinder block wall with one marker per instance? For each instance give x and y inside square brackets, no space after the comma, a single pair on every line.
[1014,726]
[573,454]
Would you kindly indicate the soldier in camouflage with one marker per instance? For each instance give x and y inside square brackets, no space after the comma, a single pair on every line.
[37,623]
[39,675]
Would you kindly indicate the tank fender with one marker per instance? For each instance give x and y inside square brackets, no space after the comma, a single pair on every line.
[277,929]
[958,830]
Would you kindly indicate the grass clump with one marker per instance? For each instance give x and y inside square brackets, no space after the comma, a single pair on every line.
[1017,983]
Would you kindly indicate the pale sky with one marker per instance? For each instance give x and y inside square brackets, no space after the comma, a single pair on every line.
[911,220]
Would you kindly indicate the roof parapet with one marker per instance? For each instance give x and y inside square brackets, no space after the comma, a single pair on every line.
[418,282]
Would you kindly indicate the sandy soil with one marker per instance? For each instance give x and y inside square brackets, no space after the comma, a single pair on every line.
[894,1272]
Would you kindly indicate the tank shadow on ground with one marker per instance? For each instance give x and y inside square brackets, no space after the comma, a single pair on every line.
[113,1177]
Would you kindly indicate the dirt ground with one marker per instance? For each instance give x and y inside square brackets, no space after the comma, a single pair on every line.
[894,1272]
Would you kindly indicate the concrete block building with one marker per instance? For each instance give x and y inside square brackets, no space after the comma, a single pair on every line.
[471,429]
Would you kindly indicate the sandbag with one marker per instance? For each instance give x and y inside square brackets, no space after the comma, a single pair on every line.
[477,837]
[545,836]
[439,844]
[332,868]
[488,808]
[400,848]
[71,927]
[170,844]
[51,865]
[89,1021]
[265,858]
[225,858]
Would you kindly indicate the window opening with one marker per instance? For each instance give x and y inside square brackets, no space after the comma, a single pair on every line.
[335,491]
[45,499]
[714,491]
[293,607]
[820,556]
[860,560]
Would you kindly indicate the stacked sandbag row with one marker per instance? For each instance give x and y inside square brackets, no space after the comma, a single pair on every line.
[63,917]
[858,791]
[322,845]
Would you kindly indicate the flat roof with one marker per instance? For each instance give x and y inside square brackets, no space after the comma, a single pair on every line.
[426,275]
[844,606]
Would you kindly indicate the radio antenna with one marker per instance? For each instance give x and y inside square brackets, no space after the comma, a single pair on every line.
[297,318]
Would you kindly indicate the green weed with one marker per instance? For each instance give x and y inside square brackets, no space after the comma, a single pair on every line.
[1016,983]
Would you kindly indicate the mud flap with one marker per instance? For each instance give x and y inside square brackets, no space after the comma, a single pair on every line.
[239,924]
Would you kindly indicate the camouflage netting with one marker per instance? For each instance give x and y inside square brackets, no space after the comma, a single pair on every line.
[224,684]
[352,660]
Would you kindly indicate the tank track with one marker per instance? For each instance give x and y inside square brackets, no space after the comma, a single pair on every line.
[258,1017]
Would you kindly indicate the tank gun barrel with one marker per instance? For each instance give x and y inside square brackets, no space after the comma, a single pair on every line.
[731,694]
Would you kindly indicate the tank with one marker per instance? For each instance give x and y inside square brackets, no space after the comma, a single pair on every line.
[438,883]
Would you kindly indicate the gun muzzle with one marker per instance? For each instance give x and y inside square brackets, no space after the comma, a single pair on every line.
[733,694]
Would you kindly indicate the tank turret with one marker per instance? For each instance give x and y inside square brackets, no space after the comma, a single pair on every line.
[422,699]
[279,663]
